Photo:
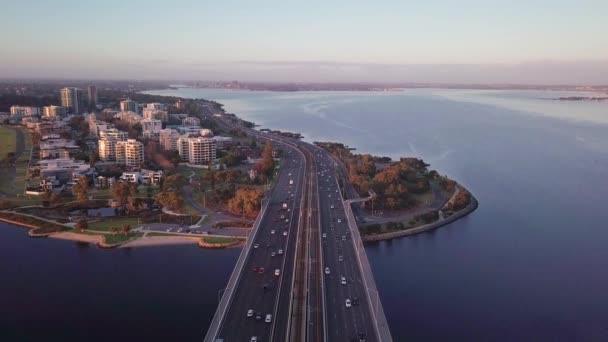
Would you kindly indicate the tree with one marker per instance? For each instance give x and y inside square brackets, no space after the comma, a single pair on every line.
[81,189]
[126,229]
[267,160]
[246,202]
[121,192]
[81,225]
[170,199]
[55,198]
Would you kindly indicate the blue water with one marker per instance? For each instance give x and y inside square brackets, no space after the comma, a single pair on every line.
[530,264]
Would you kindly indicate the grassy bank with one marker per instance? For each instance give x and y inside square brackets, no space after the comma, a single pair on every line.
[106,224]
[42,227]
[216,240]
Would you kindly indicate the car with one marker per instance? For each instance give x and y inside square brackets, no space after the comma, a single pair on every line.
[343,238]
[168,229]
[261,270]
[347,303]
[282,216]
[268,245]
[268,318]
[280,252]
[258,316]
[179,230]
[324,235]
[256,245]
[250,313]
[326,270]
[286,220]
[355,301]
[254,339]
[332,206]
[284,233]
[330,196]
[255,268]
[340,258]
[277,272]
[272,231]
[273,254]
[266,287]
[339,220]
[324,242]
[343,280]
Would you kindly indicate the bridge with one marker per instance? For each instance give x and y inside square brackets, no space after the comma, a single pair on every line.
[303,274]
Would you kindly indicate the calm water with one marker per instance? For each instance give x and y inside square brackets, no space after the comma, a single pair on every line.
[52,290]
[530,264]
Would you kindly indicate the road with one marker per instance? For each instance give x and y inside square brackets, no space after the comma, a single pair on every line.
[250,292]
[308,301]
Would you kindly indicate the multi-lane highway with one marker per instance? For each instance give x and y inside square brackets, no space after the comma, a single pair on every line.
[319,291]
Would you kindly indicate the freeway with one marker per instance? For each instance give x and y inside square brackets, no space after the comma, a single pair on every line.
[322,290]
[264,291]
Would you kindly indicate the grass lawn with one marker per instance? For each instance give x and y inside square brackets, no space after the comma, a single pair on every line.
[113,222]
[218,240]
[165,234]
[118,238]
[8,142]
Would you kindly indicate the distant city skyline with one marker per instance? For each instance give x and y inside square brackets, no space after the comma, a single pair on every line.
[546,42]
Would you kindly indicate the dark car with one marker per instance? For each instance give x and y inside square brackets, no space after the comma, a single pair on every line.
[356,301]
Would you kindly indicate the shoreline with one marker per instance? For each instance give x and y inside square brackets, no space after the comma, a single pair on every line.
[426,227]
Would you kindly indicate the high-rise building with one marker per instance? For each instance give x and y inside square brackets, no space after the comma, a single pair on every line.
[92,92]
[201,151]
[71,99]
[156,105]
[168,139]
[25,111]
[53,111]
[130,152]
[107,143]
[191,121]
[129,105]
[151,113]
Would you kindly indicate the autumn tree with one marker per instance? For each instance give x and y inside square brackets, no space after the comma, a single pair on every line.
[170,199]
[81,189]
[246,202]
[267,160]
[81,225]
[122,191]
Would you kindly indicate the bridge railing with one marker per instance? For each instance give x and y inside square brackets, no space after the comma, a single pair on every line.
[224,304]
[381,325]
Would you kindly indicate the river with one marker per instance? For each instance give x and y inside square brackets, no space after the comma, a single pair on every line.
[529,264]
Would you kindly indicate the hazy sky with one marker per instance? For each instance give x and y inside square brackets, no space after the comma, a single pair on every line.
[558,41]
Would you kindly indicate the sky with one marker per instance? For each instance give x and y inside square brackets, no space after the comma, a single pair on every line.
[449,41]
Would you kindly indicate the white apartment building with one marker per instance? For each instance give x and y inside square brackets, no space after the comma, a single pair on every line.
[191,121]
[168,139]
[107,143]
[129,117]
[156,105]
[151,113]
[113,133]
[130,152]
[201,151]
[205,132]
[151,125]
[54,111]
[25,111]
[129,105]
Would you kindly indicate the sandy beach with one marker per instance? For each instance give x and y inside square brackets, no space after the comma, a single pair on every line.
[77,237]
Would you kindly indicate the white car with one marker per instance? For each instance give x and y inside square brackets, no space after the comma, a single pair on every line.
[340,258]
[254,339]
[273,254]
[272,231]
[326,270]
[280,251]
[343,238]
[256,245]
[286,220]
[324,235]
[343,281]
[285,233]
[250,313]
[347,302]
[339,220]
[332,206]
[277,272]
[268,318]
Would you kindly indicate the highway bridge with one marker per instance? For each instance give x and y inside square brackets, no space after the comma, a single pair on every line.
[303,274]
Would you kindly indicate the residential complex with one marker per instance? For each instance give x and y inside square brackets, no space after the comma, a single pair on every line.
[25,111]
[129,105]
[151,128]
[54,111]
[197,150]
[168,139]
[191,121]
[158,114]
[130,152]
[71,99]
